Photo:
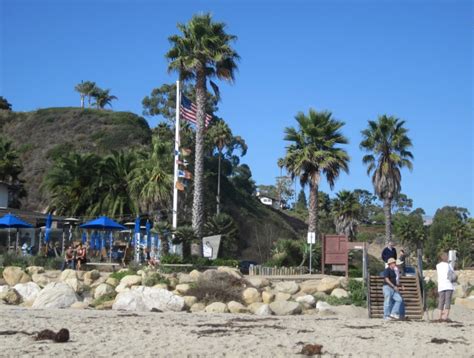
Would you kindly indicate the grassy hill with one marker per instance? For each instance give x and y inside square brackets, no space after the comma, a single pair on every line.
[41,135]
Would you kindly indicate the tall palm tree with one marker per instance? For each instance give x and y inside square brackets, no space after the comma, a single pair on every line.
[85,89]
[116,197]
[388,143]
[202,51]
[10,165]
[151,182]
[346,211]
[313,153]
[72,184]
[102,98]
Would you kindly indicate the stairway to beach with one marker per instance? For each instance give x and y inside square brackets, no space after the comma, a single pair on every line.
[411,295]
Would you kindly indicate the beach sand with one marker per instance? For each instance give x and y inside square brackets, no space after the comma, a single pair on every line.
[349,333]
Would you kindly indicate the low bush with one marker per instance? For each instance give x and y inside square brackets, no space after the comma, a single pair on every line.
[431,295]
[121,274]
[357,296]
[154,279]
[171,259]
[219,287]
[102,299]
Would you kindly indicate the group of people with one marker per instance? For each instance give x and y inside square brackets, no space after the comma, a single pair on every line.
[394,305]
[74,257]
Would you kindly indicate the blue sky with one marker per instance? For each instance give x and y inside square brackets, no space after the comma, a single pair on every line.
[358,59]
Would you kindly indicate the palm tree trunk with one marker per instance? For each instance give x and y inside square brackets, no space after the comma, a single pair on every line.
[219,184]
[387,209]
[313,207]
[198,196]
[82,101]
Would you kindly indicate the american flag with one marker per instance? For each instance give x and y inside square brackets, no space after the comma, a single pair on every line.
[188,111]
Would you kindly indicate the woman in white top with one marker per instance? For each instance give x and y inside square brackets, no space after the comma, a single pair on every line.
[445,286]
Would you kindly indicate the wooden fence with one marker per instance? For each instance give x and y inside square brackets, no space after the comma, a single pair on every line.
[258,270]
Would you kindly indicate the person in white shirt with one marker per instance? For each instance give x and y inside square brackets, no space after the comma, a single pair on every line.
[445,287]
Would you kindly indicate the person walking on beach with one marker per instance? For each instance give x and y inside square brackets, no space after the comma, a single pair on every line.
[392,298]
[446,277]
[389,252]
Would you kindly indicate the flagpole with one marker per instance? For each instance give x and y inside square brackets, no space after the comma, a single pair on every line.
[176,158]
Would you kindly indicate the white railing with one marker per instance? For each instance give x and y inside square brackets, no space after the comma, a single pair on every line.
[258,270]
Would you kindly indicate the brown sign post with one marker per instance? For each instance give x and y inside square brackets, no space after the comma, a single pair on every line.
[336,252]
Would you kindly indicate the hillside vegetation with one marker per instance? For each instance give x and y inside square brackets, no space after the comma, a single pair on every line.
[42,135]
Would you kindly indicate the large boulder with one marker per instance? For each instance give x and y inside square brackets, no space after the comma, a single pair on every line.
[102,290]
[251,295]
[230,271]
[258,282]
[195,275]
[183,288]
[197,307]
[131,280]
[55,295]
[285,308]
[28,291]
[466,302]
[189,301]
[98,282]
[339,293]
[67,274]
[255,306]
[14,275]
[310,286]
[216,307]
[75,284]
[327,284]
[143,298]
[80,305]
[282,296]
[290,287]
[90,276]
[268,297]
[34,269]
[186,278]
[323,306]
[306,300]
[236,307]
[263,310]
[112,281]
[460,291]
[11,297]
[42,279]
[4,288]
[121,288]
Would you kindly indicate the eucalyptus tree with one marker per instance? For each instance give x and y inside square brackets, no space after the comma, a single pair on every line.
[314,152]
[388,144]
[346,211]
[202,51]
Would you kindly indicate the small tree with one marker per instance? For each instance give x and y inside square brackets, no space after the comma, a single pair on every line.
[4,104]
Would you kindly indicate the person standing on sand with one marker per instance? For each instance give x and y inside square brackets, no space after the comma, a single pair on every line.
[389,252]
[445,286]
[392,298]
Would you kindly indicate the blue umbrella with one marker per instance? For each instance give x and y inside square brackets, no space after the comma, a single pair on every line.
[148,238]
[137,239]
[49,221]
[84,237]
[103,223]
[10,221]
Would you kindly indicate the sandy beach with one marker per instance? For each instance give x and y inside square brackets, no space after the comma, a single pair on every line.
[349,333]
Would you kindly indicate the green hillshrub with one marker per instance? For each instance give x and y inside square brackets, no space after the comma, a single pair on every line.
[154,279]
[121,274]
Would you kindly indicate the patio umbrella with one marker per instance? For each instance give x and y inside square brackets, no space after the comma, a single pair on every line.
[9,221]
[148,237]
[84,238]
[137,239]
[47,231]
[102,223]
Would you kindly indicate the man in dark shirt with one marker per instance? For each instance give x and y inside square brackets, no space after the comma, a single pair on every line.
[389,252]
[392,298]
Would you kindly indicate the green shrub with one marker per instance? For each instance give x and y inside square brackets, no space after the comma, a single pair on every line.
[102,299]
[171,259]
[15,260]
[336,301]
[225,262]
[154,279]
[121,274]
[357,293]
[431,290]
[220,287]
